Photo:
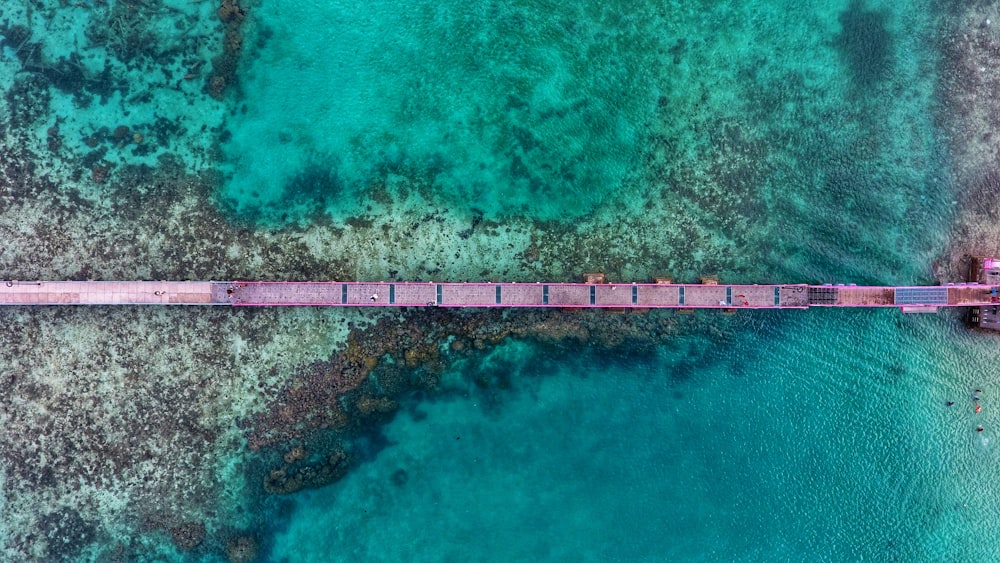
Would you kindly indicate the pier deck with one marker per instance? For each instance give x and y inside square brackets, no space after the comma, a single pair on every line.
[563,295]
[107,293]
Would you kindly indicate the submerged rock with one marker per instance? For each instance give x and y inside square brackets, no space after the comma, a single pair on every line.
[242,549]
[290,478]
[188,536]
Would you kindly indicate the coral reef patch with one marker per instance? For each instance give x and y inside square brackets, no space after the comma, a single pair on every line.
[865,45]
[360,384]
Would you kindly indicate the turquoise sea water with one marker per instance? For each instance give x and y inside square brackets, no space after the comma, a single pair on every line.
[798,137]
[761,141]
[511,107]
[743,131]
[819,436]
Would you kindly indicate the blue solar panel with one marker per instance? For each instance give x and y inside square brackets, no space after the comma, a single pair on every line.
[921,295]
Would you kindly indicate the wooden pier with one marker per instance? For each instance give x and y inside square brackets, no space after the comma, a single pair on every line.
[14,292]
[909,299]
[986,272]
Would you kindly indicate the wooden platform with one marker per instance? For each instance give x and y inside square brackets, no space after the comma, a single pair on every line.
[581,295]
[106,293]
[605,295]
[432,294]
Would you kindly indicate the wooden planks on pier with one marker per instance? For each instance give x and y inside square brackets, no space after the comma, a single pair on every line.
[969,295]
[565,295]
[469,295]
[284,294]
[861,296]
[14,292]
[582,295]
[794,296]
[568,295]
[705,296]
[414,294]
[523,294]
[658,295]
[611,295]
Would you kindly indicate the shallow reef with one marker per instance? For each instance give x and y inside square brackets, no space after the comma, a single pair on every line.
[360,385]
[138,433]
[971,116]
